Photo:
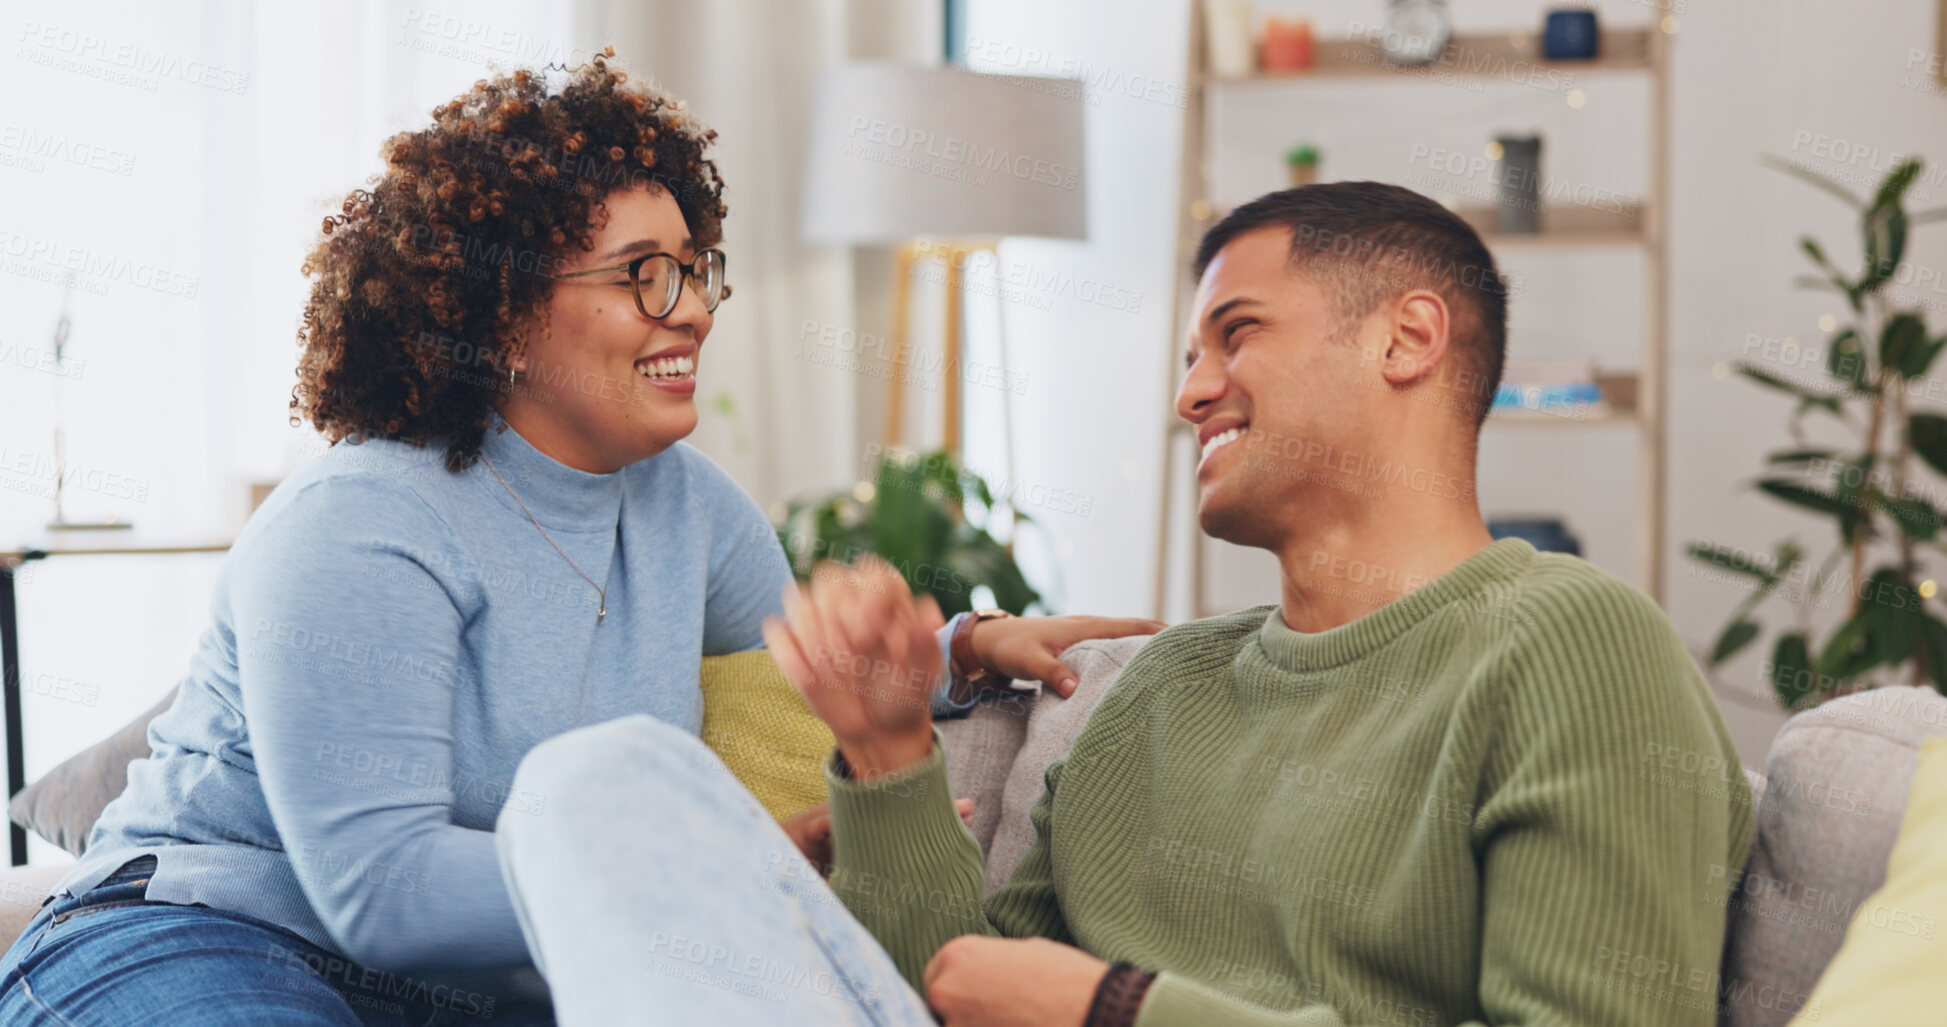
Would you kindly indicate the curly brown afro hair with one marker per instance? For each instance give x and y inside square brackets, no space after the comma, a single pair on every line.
[426,284]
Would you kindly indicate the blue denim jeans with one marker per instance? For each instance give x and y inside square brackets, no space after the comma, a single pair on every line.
[653,888]
[111,957]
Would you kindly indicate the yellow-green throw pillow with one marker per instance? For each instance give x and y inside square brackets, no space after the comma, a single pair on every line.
[763,730]
[1889,969]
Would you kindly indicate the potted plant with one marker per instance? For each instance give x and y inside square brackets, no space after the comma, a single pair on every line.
[1302,163]
[1886,514]
[915,511]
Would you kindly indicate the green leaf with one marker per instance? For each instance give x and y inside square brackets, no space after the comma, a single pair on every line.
[1851,651]
[1885,246]
[1808,498]
[1799,456]
[1845,358]
[1730,560]
[1894,185]
[1816,282]
[1928,433]
[1792,677]
[1916,517]
[1814,179]
[1902,344]
[1772,381]
[1933,662]
[1812,250]
[1924,355]
[1736,636]
[1897,623]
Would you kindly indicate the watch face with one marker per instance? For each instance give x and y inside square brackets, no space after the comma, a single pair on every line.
[1416,31]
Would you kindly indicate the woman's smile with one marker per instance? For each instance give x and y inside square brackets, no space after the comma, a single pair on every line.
[673,369]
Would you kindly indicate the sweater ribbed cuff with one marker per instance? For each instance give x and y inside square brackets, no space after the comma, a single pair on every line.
[1174,1000]
[901,823]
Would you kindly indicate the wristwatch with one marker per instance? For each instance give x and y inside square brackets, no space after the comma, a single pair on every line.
[969,677]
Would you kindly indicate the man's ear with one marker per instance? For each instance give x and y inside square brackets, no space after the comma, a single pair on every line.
[1417,334]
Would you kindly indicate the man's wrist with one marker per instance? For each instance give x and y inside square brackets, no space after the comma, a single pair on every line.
[866,762]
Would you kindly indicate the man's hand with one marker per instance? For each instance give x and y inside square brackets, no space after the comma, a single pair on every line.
[976,981]
[1027,648]
[863,652]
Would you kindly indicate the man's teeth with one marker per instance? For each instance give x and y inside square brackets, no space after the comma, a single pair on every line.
[1220,439]
[667,367]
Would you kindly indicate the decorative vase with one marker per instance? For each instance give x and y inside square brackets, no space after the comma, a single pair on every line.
[1227,38]
[1517,207]
[1571,34]
[1289,45]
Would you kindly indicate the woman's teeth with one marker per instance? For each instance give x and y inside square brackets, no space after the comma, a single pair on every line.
[1220,439]
[667,367]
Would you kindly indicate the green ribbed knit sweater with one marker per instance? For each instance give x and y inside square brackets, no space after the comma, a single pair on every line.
[1505,798]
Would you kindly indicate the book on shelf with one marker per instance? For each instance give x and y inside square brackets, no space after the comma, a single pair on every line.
[1548,386]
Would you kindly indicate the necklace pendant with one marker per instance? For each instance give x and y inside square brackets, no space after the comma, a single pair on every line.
[599,614]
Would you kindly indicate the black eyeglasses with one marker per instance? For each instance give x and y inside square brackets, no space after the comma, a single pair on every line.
[657,280]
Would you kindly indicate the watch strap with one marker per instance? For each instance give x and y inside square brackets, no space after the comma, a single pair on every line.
[1118,997]
[969,677]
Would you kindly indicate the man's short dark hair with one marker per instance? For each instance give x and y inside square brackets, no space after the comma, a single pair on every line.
[1368,242]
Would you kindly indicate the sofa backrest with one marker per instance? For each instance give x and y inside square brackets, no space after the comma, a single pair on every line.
[1834,794]
[997,754]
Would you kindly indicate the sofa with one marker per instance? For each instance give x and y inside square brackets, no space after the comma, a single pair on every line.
[1829,806]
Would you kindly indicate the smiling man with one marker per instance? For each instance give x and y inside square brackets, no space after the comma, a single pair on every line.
[1430,785]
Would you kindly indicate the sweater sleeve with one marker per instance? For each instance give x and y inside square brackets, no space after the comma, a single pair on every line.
[1615,820]
[908,869]
[348,654]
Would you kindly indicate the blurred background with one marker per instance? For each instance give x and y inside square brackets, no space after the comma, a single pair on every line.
[163,170]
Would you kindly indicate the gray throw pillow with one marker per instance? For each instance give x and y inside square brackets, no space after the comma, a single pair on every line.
[63,806]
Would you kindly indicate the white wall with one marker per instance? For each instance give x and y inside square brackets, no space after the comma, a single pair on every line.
[1090,322]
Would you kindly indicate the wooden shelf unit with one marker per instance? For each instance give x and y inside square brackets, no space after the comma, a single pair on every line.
[1489,58]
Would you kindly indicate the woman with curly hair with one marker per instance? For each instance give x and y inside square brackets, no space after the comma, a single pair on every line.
[507,541]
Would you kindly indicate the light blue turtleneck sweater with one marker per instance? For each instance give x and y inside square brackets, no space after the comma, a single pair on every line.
[388,640]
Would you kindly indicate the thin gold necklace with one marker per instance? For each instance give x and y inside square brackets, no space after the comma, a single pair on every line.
[599,590]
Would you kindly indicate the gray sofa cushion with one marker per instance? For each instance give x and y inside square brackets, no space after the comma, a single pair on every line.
[980,749]
[63,806]
[1039,728]
[1834,792]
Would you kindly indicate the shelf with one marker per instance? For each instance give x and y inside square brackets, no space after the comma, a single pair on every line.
[1617,406]
[1573,224]
[1565,226]
[1568,225]
[1513,57]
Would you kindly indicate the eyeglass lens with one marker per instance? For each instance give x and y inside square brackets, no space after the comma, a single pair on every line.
[659,282]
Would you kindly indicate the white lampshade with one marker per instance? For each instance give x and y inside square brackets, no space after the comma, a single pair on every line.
[898,152]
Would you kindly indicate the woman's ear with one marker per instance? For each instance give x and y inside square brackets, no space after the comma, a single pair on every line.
[1418,334]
